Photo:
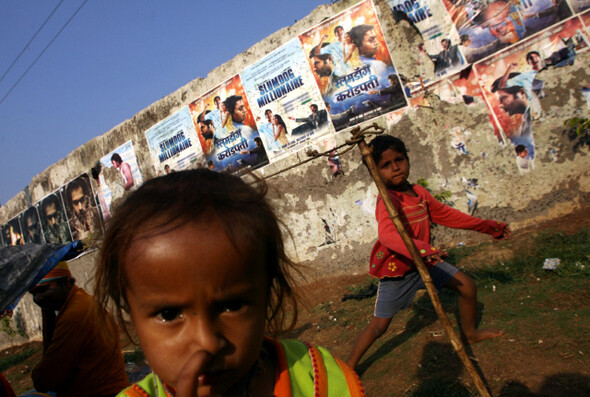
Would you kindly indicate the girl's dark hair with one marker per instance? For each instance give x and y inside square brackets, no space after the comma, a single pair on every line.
[383,142]
[281,122]
[198,195]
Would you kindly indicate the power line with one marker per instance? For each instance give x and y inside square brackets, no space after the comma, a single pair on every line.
[42,52]
[30,41]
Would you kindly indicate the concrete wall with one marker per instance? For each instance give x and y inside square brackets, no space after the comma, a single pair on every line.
[309,197]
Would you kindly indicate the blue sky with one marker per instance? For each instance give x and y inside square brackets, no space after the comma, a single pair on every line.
[112,60]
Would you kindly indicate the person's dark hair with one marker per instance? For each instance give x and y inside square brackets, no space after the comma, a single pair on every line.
[31,212]
[173,200]
[209,124]
[74,185]
[337,27]
[520,148]
[357,34]
[383,142]
[464,38]
[116,157]
[267,111]
[448,41]
[511,90]
[313,105]
[231,101]
[258,140]
[95,171]
[50,200]
[323,57]
[530,54]
[202,115]
[281,122]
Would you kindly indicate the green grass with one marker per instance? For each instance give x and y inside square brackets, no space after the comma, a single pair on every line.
[13,359]
[526,266]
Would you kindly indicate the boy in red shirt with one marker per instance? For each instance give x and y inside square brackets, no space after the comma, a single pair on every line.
[391,261]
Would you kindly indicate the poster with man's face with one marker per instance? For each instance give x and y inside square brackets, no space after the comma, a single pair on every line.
[81,209]
[486,27]
[226,128]
[53,219]
[514,82]
[31,224]
[12,233]
[352,66]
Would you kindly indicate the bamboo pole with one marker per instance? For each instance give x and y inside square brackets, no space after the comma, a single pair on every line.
[420,266]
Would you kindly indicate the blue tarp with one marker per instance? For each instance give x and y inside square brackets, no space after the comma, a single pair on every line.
[22,266]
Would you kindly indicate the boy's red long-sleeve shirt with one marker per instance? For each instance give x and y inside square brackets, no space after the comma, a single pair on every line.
[390,257]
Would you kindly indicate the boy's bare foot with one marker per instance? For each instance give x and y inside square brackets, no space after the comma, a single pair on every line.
[482,334]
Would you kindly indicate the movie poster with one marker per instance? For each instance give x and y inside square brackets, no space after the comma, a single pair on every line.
[283,96]
[81,209]
[461,87]
[53,219]
[225,125]
[174,144]
[31,224]
[118,173]
[12,233]
[352,66]
[487,27]
[440,53]
[579,5]
[513,82]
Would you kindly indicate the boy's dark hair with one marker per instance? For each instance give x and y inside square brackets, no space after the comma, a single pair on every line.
[116,157]
[173,200]
[529,55]
[231,101]
[383,142]
[323,57]
[519,149]
[75,185]
[357,34]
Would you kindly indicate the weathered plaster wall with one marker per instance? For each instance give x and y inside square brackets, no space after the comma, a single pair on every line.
[309,194]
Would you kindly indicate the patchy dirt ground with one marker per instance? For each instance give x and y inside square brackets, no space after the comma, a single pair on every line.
[545,351]
[534,358]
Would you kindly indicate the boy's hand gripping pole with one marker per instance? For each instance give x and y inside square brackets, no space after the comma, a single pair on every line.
[420,266]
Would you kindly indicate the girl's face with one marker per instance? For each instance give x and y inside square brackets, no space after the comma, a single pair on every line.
[347,38]
[394,168]
[275,120]
[223,106]
[198,306]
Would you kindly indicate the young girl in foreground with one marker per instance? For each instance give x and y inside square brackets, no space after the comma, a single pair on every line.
[196,259]
[391,261]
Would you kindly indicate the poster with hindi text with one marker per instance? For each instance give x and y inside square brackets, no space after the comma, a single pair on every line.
[226,128]
[352,66]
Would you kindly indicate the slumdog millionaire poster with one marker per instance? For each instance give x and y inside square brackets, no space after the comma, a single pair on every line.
[285,101]
[173,142]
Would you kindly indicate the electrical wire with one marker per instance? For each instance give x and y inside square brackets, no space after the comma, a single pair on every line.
[42,52]
[30,41]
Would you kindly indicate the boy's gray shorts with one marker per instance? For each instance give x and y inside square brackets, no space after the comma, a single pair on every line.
[397,293]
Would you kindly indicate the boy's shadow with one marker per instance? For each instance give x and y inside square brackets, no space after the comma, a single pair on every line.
[424,315]
[558,385]
[439,372]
